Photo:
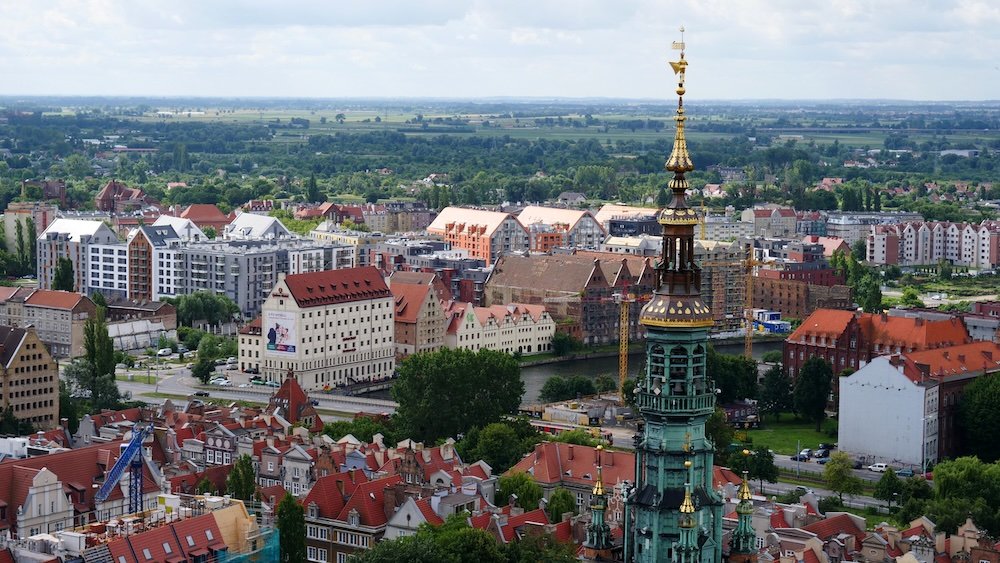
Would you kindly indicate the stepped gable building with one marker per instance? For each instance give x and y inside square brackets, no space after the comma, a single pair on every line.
[117,197]
[330,328]
[486,235]
[674,511]
[849,340]
[30,376]
[574,227]
[419,319]
[292,404]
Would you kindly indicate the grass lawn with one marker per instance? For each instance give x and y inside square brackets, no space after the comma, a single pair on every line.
[136,377]
[785,436]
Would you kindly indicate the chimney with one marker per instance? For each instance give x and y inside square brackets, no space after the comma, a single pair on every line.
[571,451]
[894,360]
[885,318]
[340,487]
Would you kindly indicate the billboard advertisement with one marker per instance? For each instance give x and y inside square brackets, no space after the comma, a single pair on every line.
[279,330]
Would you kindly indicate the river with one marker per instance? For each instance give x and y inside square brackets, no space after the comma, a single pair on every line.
[535,376]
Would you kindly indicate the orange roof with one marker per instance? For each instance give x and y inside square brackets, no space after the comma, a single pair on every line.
[913,333]
[204,212]
[823,322]
[409,300]
[558,462]
[337,286]
[54,299]
[430,516]
[839,524]
[976,357]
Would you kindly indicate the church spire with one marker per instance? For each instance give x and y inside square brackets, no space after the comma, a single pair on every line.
[743,544]
[598,544]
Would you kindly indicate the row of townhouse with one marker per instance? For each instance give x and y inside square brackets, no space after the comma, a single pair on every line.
[919,243]
[172,257]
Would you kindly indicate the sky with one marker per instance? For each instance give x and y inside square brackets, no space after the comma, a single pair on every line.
[737,49]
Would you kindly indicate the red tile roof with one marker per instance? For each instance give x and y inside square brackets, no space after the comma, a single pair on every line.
[409,299]
[809,556]
[253,327]
[294,404]
[204,213]
[368,501]
[835,525]
[558,462]
[337,286]
[54,299]
[158,541]
[977,357]
[424,505]
[563,532]
[331,492]
[823,322]
[191,533]
[778,519]
[509,530]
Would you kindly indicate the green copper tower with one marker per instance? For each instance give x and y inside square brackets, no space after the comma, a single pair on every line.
[598,545]
[743,545]
[673,512]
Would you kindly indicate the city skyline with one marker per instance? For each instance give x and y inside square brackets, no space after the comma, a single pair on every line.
[457,49]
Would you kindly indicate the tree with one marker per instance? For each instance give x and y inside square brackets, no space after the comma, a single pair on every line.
[628,391]
[776,392]
[340,118]
[560,502]
[945,270]
[720,433]
[312,190]
[888,488]
[869,294]
[203,370]
[605,383]
[563,344]
[772,357]
[559,388]
[521,485]
[662,199]
[839,476]
[759,465]
[100,301]
[577,436]
[859,250]
[498,445]
[62,278]
[204,306]
[99,350]
[812,390]
[481,388]
[980,418]
[204,486]
[210,232]
[911,297]
[241,480]
[735,376]
[291,525]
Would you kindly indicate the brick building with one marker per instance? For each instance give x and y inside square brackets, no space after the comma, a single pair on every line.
[486,235]
[798,299]
[117,197]
[419,319]
[30,377]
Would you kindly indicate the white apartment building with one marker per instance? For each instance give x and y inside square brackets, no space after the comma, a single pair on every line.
[919,243]
[527,329]
[107,270]
[74,239]
[359,242]
[331,328]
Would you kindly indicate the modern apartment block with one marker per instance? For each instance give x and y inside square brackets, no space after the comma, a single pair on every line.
[918,243]
[577,228]
[486,235]
[330,328]
[853,226]
[30,376]
[94,250]
[360,242]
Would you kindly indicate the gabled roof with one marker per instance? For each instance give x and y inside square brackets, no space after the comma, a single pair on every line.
[10,342]
[294,404]
[253,226]
[463,220]
[823,322]
[558,462]
[610,211]
[558,273]
[839,523]
[330,493]
[553,215]
[337,286]
[976,357]
[204,213]
[424,505]
[368,499]
[183,228]
[65,300]
[193,533]
[409,299]
[75,228]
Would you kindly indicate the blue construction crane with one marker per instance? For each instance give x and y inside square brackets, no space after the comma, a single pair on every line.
[131,458]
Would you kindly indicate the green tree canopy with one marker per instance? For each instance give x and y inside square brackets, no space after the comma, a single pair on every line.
[889,488]
[735,376]
[203,370]
[775,392]
[481,387]
[559,388]
[759,465]
[560,502]
[62,278]
[520,484]
[720,433]
[911,297]
[204,306]
[241,482]
[291,525]
[812,390]
[980,417]
[869,293]
[500,444]
[839,476]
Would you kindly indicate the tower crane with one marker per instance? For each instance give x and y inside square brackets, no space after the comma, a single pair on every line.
[130,458]
[624,302]
[750,262]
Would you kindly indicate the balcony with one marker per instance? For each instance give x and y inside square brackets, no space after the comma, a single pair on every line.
[673,404]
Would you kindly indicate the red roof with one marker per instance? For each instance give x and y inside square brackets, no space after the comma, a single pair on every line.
[563,532]
[509,530]
[557,462]
[823,322]
[331,492]
[119,549]
[160,542]
[337,286]
[193,533]
[409,299]
[294,404]
[809,556]
[368,501]
[778,519]
[253,327]
[977,357]
[430,516]
[835,525]
[204,213]
[54,299]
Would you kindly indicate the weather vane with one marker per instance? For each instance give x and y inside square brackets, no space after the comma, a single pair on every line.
[680,65]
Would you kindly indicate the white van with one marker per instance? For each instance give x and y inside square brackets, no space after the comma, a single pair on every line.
[878,467]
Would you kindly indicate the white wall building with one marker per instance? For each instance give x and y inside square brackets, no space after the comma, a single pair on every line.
[73,239]
[582,229]
[527,329]
[918,243]
[331,328]
[888,413]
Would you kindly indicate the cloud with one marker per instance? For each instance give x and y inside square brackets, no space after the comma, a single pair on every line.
[746,49]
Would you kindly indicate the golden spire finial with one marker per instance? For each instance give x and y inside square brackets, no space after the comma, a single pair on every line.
[679,161]
[599,485]
[687,507]
[744,492]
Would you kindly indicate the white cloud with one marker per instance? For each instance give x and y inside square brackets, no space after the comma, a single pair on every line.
[746,49]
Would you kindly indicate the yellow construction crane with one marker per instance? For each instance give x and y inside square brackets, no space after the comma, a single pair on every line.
[703,219]
[624,302]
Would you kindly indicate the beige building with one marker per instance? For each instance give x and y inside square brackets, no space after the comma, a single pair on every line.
[770,221]
[582,229]
[58,316]
[360,243]
[513,328]
[331,328]
[419,316]
[30,377]
[486,235]
[24,212]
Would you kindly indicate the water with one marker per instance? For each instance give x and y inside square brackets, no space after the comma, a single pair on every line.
[534,377]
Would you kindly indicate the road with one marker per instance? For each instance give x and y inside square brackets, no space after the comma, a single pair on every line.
[177,380]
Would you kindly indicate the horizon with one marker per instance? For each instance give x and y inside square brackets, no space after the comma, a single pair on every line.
[473,49]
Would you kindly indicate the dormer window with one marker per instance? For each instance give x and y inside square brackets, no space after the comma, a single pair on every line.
[353,518]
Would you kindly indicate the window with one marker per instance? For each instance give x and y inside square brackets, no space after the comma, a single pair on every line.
[146,553]
[166,548]
[208,534]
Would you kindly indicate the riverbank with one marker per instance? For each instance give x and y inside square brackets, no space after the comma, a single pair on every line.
[611,350]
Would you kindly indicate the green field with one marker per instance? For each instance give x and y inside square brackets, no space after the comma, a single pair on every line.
[785,436]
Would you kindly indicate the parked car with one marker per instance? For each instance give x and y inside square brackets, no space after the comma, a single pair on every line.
[905,473]
[878,467]
[231,360]
[800,457]
[822,453]
[272,384]
[806,452]
[825,446]
[800,490]
[182,349]
[220,362]
[252,371]
[243,385]
[858,464]
[164,352]
[201,393]
[823,461]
